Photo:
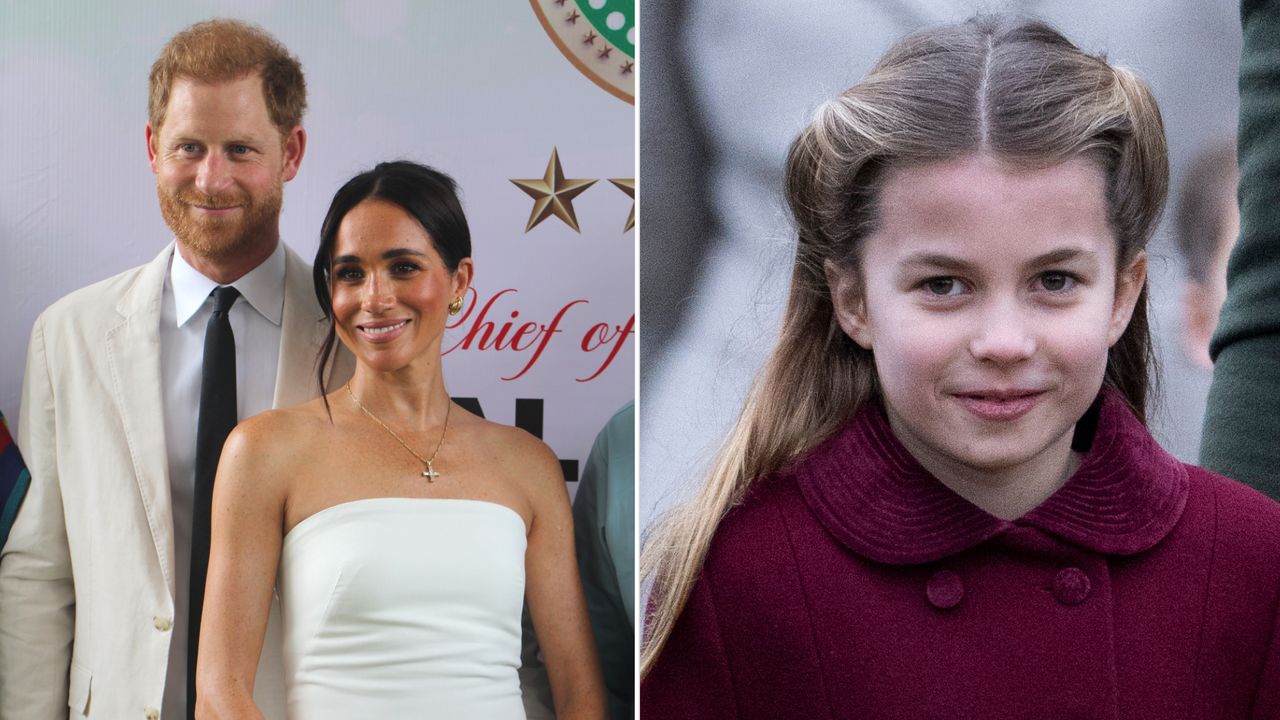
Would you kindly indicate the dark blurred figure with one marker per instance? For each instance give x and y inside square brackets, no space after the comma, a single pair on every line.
[678,221]
[1242,423]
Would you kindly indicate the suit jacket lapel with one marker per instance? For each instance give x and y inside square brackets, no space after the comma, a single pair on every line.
[133,352]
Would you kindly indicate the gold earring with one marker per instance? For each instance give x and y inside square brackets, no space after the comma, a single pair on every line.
[455,307]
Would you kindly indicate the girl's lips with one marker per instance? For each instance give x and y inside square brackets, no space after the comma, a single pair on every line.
[1000,407]
[382,332]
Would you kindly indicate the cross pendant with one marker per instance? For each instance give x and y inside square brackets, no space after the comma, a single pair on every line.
[430,474]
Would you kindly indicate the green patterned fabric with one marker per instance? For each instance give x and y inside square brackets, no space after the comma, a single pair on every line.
[14,480]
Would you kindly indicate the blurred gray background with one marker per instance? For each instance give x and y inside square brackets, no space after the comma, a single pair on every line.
[728,84]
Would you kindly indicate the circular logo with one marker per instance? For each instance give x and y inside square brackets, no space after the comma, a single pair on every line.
[598,37]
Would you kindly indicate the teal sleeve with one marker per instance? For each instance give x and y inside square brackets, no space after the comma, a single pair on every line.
[604,532]
[1242,422]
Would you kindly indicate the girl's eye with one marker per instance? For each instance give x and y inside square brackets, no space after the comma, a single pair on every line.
[943,286]
[1054,281]
[348,273]
[403,268]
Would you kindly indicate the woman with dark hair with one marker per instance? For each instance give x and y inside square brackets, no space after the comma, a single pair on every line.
[402,532]
[941,499]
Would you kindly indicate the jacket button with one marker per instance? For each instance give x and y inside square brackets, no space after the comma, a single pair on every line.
[1071,586]
[945,589]
[153,713]
[162,623]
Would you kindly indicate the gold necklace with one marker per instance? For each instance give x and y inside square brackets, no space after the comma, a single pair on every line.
[428,472]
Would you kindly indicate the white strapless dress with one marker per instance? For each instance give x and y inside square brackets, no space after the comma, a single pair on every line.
[404,608]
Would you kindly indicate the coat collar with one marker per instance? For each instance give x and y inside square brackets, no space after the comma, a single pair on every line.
[873,496]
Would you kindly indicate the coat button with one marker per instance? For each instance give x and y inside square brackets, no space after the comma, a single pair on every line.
[153,713]
[162,623]
[945,589]
[1071,586]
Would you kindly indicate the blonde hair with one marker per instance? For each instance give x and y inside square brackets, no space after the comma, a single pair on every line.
[222,50]
[1012,88]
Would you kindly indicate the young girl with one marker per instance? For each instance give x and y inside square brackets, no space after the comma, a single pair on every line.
[941,500]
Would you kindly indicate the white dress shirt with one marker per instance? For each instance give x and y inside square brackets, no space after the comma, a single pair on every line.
[255,323]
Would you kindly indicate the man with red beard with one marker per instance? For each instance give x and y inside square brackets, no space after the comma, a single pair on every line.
[102,577]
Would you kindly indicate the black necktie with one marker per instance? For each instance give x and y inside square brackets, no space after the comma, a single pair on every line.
[217,418]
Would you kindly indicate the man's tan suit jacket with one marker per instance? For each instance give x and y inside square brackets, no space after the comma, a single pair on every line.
[87,576]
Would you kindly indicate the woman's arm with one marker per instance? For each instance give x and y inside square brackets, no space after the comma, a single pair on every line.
[554,591]
[248,512]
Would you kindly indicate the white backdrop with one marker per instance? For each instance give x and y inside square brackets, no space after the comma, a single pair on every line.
[477,89]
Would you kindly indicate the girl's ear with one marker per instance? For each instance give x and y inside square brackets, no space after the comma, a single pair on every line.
[848,304]
[1129,283]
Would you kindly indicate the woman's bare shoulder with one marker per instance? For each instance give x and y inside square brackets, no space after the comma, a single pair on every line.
[517,457]
[504,444]
[297,422]
[279,436]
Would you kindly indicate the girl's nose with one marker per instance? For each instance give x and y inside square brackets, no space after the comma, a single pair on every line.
[1006,336]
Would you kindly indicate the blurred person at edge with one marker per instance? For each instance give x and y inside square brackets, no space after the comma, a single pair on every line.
[941,499]
[14,479]
[1241,437]
[604,534]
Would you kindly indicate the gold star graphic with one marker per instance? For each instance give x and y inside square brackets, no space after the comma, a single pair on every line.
[628,186]
[553,194]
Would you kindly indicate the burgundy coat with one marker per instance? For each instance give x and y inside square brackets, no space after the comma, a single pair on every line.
[855,585]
